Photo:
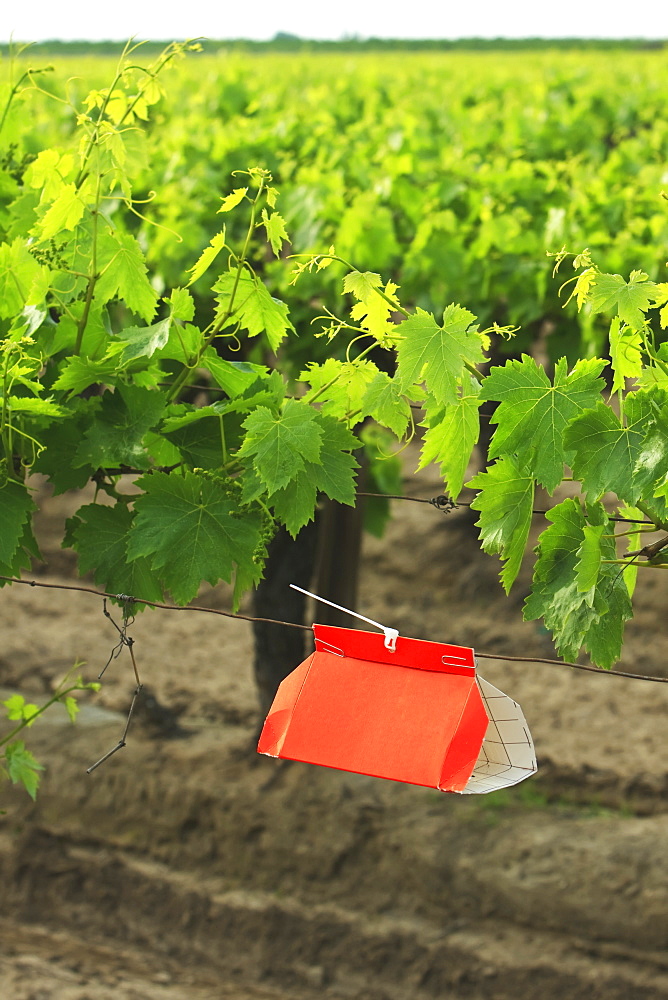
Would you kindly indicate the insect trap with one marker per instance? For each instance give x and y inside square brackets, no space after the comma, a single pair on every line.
[404,709]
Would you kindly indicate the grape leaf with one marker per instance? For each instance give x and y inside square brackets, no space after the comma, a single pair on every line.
[279,445]
[123,274]
[190,530]
[18,271]
[533,414]
[505,504]
[625,353]
[16,507]
[567,612]
[26,550]
[99,534]
[232,376]
[384,401]
[115,437]
[436,354]
[71,706]
[198,435]
[294,505]
[143,341]
[61,442]
[589,557]
[274,226]
[630,301]
[232,200]
[605,452]
[18,708]
[181,304]
[78,373]
[36,407]
[594,618]
[362,284]
[340,386]
[65,212]
[207,257]
[452,433]
[334,474]
[373,311]
[22,766]
[253,307]
[649,409]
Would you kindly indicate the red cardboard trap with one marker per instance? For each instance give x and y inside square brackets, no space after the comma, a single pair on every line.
[398,708]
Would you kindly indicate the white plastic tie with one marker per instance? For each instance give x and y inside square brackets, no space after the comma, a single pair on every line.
[391,634]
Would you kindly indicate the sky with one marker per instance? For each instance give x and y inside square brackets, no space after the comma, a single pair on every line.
[38,20]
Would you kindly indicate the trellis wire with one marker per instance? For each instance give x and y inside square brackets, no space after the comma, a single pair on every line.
[124,598]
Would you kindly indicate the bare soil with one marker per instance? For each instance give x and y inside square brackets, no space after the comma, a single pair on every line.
[188,867]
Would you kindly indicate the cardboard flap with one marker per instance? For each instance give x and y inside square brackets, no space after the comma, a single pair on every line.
[416,653]
[277,722]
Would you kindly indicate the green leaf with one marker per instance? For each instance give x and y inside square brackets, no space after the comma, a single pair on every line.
[207,257]
[16,507]
[384,475]
[253,307]
[533,414]
[61,442]
[632,544]
[279,445]
[610,293]
[567,612]
[197,432]
[25,551]
[362,284]
[384,401]
[143,341]
[452,433]
[20,709]
[566,558]
[18,272]
[649,410]
[23,768]
[72,705]
[605,452]
[505,503]
[65,212]
[79,373]
[625,353]
[294,505]
[340,387]
[334,473]
[181,304]
[274,225]
[234,377]
[30,406]
[191,530]
[589,557]
[123,274]
[268,390]
[100,535]
[374,313]
[232,200]
[116,435]
[437,354]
